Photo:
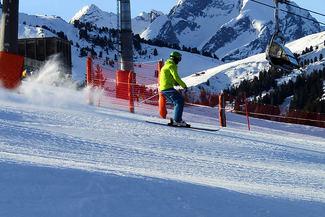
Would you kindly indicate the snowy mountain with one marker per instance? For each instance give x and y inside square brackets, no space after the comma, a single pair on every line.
[205,71]
[141,22]
[62,157]
[231,29]
[322,28]
[229,74]
[34,26]
[96,16]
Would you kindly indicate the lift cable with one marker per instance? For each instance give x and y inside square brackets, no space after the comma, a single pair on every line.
[289,12]
[315,12]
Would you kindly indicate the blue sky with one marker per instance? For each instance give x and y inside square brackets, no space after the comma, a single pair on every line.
[68,8]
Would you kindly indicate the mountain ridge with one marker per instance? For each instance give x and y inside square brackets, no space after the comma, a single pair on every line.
[236,28]
[96,16]
[200,72]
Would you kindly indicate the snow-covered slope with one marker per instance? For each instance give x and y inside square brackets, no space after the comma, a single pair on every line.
[226,75]
[232,29]
[61,157]
[37,26]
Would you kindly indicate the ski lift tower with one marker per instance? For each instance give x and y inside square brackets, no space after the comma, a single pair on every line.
[125,77]
[125,35]
[9,27]
[11,64]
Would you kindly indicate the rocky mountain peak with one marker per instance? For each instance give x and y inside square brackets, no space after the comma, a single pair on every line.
[151,16]
[230,29]
[96,16]
[100,18]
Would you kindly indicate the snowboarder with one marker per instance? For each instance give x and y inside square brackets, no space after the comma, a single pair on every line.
[168,78]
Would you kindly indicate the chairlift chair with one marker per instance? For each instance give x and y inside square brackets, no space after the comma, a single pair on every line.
[277,53]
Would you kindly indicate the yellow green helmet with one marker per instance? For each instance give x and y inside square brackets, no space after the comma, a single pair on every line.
[176,56]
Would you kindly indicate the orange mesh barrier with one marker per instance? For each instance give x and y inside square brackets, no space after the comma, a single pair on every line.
[121,87]
[110,86]
[274,113]
[140,90]
[11,68]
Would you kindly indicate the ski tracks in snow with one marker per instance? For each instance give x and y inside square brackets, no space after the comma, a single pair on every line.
[109,141]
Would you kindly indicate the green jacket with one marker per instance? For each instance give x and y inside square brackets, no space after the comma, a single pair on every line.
[169,76]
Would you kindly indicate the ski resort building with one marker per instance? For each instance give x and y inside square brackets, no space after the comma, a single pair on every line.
[38,50]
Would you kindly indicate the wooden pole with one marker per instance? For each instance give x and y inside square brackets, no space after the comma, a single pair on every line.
[222,113]
[249,128]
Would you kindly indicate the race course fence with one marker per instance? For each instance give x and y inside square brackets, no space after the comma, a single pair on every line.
[139,90]
[135,89]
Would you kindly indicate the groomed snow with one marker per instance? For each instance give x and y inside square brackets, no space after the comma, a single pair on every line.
[62,157]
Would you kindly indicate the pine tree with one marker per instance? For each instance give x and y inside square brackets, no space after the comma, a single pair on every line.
[155,52]
[82,52]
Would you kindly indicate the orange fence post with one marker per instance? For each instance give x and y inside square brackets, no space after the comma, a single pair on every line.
[249,128]
[89,74]
[11,69]
[125,81]
[131,82]
[162,105]
[222,113]
[162,100]
[122,80]
[160,65]
[90,81]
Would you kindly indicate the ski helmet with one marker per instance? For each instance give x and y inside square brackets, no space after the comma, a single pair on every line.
[176,56]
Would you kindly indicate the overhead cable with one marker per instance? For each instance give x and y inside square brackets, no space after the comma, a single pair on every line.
[288,3]
[289,12]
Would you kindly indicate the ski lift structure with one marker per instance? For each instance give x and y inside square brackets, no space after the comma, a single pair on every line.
[277,53]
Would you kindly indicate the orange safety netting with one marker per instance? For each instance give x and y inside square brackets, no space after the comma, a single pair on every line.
[273,113]
[139,89]
[120,87]
[268,112]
